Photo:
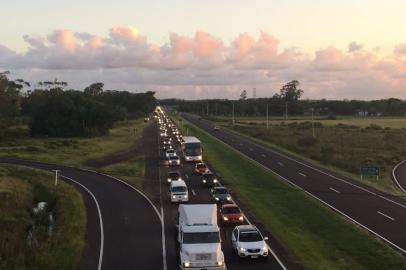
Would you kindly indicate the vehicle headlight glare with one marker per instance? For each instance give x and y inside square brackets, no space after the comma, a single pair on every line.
[241,218]
[186,264]
[217,199]
[220,263]
[225,218]
[215,181]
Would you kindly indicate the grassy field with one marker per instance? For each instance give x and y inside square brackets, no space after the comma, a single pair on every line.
[20,189]
[342,148]
[75,151]
[131,171]
[384,122]
[318,237]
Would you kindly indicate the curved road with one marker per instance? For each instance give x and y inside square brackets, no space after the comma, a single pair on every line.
[399,175]
[123,228]
[381,214]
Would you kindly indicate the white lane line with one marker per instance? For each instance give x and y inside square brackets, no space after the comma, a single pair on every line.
[263,155]
[251,149]
[310,194]
[391,218]
[280,163]
[193,192]
[241,144]
[335,190]
[100,218]
[187,176]
[302,174]
[394,175]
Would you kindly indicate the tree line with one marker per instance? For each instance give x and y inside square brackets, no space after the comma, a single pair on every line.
[51,110]
[288,101]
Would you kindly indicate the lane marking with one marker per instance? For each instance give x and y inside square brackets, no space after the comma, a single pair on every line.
[100,219]
[335,190]
[263,155]
[394,175]
[241,144]
[193,192]
[187,176]
[251,149]
[382,214]
[280,163]
[307,192]
[302,174]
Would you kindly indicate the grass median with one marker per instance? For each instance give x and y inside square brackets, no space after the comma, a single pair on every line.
[316,235]
[20,189]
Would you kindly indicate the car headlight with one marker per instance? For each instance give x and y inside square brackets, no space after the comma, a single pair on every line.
[169,180]
[185,196]
[174,196]
[219,263]
[217,199]
[264,248]
[199,157]
[241,218]
[215,181]
[228,198]
[186,264]
[179,179]
[204,181]
[242,249]
[225,218]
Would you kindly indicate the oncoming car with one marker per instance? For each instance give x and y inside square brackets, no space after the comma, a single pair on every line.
[248,242]
[220,195]
[173,176]
[231,214]
[209,179]
[201,168]
[173,161]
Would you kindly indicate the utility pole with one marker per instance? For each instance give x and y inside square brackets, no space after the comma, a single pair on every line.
[286,110]
[267,117]
[233,114]
[313,122]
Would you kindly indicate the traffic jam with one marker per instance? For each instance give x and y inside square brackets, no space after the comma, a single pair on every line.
[204,227]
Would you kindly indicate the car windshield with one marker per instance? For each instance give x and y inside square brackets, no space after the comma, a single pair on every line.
[201,237]
[170,151]
[179,189]
[220,191]
[208,176]
[231,210]
[173,158]
[193,149]
[252,236]
[201,166]
[174,175]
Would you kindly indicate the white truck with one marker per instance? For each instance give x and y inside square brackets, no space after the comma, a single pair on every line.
[199,238]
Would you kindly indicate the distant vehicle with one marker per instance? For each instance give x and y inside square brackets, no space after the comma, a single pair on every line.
[162,132]
[192,149]
[173,176]
[220,195]
[198,237]
[170,153]
[216,128]
[248,242]
[167,147]
[173,161]
[201,168]
[166,142]
[209,179]
[231,214]
[146,119]
[178,191]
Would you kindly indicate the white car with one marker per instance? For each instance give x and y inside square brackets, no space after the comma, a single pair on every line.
[174,161]
[178,191]
[170,153]
[248,242]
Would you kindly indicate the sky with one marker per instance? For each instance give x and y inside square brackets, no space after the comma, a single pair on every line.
[210,49]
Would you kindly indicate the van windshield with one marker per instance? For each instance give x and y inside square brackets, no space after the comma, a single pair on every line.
[192,149]
[201,237]
[179,189]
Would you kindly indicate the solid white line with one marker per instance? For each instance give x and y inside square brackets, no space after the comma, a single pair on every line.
[263,155]
[391,218]
[241,144]
[251,149]
[310,194]
[194,193]
[302,174]
[280,163]
[187,176]
[394,176]
[100,219]
[335,190]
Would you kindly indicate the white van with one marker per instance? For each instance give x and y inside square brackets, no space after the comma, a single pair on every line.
[178,191]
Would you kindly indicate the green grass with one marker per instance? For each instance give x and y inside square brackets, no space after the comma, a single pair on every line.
[74,151]
[131,171]
[314,234]
[20,189]
[340,148]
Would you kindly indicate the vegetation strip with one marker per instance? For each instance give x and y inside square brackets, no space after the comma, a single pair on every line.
[314,234]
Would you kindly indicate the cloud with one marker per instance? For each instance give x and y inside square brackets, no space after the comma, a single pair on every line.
[204,66]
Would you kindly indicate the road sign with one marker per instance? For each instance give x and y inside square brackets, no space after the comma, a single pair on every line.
[370,171]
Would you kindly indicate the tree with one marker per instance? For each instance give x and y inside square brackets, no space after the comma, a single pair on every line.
[290,92]
[95,89]
[243,95]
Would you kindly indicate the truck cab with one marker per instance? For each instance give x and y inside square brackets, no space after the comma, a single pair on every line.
[199,238]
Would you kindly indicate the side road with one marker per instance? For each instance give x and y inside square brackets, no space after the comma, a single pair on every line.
[123,227]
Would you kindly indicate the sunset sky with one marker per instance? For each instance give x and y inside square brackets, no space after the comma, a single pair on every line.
[210,49]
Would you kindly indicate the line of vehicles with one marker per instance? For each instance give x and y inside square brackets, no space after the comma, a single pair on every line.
[198,232]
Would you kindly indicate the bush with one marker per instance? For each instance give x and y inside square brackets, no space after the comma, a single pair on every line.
[374,127]
[306,141]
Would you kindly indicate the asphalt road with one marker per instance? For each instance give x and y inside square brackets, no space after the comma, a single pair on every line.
[125,234]
[198,194]
[379,213]
[399,175]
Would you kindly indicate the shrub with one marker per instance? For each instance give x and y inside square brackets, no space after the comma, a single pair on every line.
[306,141]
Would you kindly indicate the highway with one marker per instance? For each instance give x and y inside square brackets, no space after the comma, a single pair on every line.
[123,228]
[399,175]
[198,194]
[377,212]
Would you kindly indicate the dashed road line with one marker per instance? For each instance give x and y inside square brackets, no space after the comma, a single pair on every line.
[335,190]
[193,192]
[385,215]
[302,174]
[280,163]
[251,149]
[263,155]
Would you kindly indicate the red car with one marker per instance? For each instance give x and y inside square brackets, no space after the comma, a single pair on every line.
[201,168]
[231,214]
